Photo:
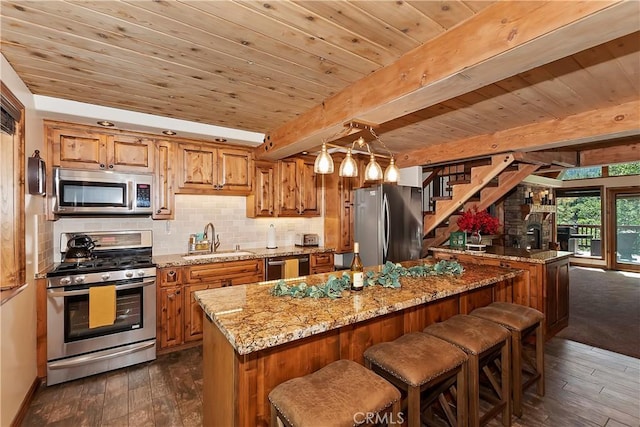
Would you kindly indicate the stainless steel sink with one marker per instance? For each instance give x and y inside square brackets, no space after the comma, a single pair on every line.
[217,255]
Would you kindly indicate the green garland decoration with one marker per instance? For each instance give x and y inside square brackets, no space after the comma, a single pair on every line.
[389,277]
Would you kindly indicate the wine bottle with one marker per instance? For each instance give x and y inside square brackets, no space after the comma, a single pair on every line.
[357,282]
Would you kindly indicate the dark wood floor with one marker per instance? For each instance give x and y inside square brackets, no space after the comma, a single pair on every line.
[586,386]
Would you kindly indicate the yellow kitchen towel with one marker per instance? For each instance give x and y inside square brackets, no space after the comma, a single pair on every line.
[102,306]
[290,268]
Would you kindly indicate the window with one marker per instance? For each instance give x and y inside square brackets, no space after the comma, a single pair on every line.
[581,173]
[622,169]
[579,221]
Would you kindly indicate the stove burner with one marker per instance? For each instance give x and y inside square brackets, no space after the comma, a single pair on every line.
[102,264]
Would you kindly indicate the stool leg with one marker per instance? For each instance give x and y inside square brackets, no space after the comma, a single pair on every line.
[516,358]
[461,395]
[540,357]
[413,406]
[474,391]
[396,410]
[274,416]
[505,359]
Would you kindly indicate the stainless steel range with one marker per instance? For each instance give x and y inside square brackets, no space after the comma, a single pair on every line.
[118,273]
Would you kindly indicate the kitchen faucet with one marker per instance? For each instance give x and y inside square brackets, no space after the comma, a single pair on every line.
[214,241]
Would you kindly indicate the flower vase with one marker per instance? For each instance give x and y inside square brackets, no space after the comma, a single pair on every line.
[475,238]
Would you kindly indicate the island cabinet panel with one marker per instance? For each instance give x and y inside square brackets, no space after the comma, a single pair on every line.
[557,297]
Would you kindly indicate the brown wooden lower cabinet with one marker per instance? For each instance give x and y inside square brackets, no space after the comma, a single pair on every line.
[239,384]
[321,263]
[544,287]
[179,317]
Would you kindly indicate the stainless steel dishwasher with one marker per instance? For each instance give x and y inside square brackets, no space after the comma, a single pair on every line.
[276,266]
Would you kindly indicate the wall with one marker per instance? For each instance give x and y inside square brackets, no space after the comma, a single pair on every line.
[226,213]
[18,315]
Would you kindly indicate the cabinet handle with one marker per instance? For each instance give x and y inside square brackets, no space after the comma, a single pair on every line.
[110,166]
[158,211]
[177,292]
[102,166]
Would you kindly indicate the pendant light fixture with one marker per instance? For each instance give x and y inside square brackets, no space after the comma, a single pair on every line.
[324,162]
[349,167]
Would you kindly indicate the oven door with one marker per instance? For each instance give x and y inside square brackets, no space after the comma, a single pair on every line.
[68,332]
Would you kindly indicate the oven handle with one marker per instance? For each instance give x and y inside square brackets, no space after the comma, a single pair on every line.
[56,294]
[92,358]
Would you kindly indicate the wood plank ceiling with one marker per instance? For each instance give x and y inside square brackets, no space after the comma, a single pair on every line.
[264,66]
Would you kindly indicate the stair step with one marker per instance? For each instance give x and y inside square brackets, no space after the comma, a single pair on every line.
[436,198]
[428,213]
[459,181]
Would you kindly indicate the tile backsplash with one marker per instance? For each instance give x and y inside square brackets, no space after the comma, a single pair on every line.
[226,213]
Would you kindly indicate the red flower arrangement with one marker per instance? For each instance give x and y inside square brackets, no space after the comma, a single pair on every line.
[478,221]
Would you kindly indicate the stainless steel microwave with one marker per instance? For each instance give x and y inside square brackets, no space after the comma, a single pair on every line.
[84,192]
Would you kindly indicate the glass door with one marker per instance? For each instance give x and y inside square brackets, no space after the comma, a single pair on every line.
[625,236]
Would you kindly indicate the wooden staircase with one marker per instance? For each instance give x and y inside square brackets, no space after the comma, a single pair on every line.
[491,181]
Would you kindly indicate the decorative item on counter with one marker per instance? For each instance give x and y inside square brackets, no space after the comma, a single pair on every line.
[357,269]
[475,223]
[457,239]
[271,237]
[389,277]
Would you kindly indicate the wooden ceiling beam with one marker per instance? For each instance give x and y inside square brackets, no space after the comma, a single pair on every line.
[611,155]
[502,40]
[598,125]
[564,158]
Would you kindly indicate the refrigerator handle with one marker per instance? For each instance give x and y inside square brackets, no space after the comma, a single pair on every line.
[386,228]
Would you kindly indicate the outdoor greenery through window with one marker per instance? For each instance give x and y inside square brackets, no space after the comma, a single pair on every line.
[579,211]
[620,169]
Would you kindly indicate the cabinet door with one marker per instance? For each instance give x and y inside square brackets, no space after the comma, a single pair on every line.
[193,314]
[130,153]
[163,198]
[235,170]
[261,202]
[346,215]
[321,263]
[226,273]
[556,297]
[310,188]
[197,168]
[169,329]
[78,148]
[288,194]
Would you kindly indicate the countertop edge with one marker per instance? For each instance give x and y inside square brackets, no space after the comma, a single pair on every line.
[540,257]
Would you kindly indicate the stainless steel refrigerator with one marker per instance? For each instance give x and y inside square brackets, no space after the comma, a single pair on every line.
[388,223]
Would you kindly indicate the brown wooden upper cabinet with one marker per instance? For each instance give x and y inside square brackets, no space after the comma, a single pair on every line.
[262,201]
[163,179]
[204,169]
[85,148]
[299,188]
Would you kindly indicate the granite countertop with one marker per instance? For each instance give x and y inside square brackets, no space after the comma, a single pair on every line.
[177,260]
[537,256]
[252,319]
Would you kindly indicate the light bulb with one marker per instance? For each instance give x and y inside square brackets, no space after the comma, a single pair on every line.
[392,172]
[373,171]
[348,167]
[324,162]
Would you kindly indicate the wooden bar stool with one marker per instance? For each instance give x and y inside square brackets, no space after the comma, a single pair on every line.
[421,364]
[522,322]
[485,342]
[343,393]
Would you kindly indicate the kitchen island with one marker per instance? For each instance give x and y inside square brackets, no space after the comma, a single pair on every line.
[254,341]
[544,284]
